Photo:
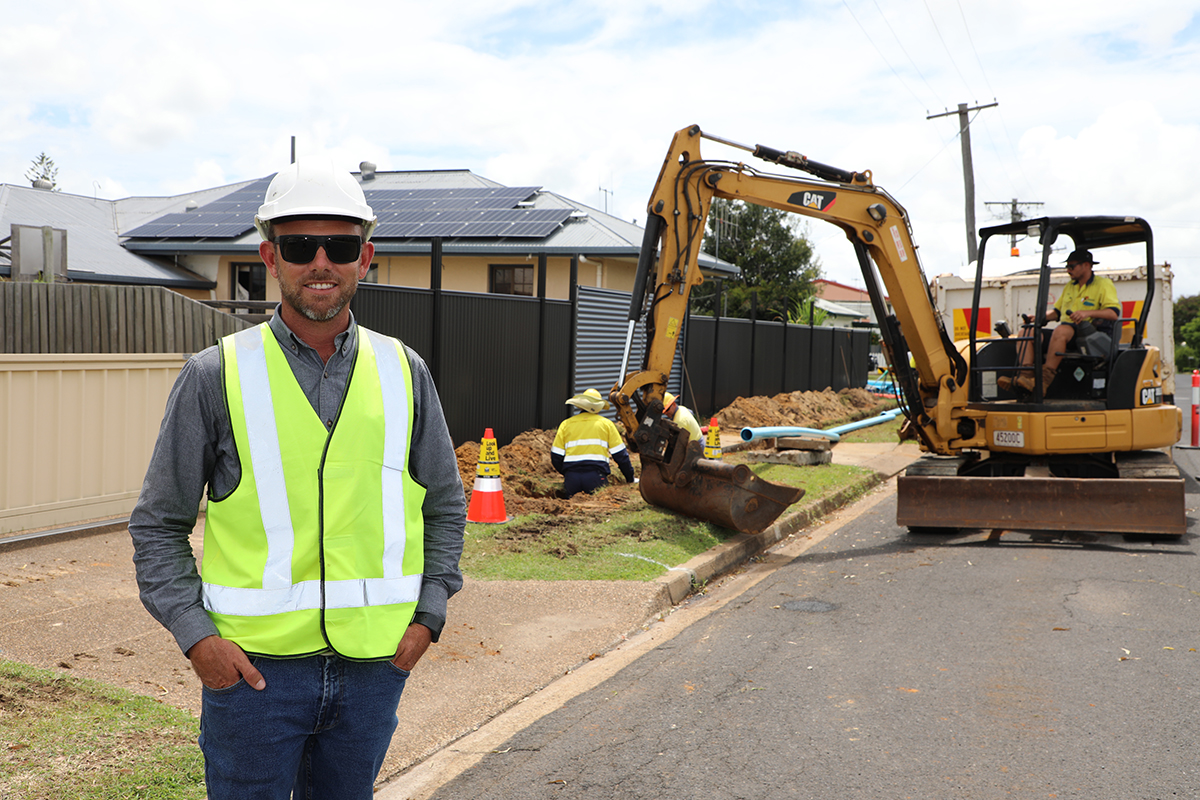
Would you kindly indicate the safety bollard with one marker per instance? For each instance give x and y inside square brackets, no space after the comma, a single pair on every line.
[1196,408]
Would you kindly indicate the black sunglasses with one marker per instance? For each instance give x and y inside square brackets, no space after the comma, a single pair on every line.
[299,249]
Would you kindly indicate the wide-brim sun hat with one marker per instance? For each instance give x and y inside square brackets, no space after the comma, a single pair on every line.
[589,400]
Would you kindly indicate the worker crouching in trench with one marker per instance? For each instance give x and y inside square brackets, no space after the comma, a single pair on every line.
[583,445]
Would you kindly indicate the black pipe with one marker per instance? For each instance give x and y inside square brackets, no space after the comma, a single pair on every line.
[646,258]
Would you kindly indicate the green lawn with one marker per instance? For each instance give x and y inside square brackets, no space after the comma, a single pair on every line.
[63,738]
[635,541]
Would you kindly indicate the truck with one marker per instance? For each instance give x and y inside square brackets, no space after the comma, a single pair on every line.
[1086,449]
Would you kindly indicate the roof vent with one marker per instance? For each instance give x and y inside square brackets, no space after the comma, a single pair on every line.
[192,205]
[42,183]
[367,169]
[578,216]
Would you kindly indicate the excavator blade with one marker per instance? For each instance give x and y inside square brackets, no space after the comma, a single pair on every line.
[1147,498]
[725,494]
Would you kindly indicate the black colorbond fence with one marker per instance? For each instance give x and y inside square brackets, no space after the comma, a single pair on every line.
[508,363]
[767,358]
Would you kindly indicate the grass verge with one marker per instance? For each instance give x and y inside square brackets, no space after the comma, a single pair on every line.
[634,540]
[64,737]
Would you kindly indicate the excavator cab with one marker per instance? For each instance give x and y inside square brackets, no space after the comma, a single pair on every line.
[1100,370]
[1098,436]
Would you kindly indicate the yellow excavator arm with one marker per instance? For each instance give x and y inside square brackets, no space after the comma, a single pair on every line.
[875,224]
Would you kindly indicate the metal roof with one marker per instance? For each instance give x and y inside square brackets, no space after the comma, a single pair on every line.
[536,221]
[101,248]
[94,251]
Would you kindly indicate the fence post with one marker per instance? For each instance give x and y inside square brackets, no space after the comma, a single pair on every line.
[574,344]
[717,296]
[540,402]
[753,336]
[435,312]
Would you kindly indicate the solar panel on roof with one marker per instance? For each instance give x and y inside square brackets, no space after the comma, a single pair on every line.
[470,223]
[422,213]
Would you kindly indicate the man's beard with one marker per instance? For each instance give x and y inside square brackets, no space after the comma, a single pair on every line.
[296,300]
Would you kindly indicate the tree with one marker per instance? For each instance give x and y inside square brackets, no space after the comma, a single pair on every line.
[808,313]
[775,261]
[1187,333]
[43,169]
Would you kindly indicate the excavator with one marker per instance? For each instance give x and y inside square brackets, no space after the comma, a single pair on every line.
[1090,452]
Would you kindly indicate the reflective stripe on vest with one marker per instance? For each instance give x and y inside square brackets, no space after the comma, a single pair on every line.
[391,540]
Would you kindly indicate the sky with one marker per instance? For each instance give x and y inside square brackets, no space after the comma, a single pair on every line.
[1096,100]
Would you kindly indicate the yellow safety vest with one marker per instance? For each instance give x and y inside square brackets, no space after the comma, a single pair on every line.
[321,544]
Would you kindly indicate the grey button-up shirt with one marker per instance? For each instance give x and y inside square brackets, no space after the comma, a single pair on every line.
[195,449]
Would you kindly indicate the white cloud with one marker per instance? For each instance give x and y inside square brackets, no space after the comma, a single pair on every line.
[1094,117]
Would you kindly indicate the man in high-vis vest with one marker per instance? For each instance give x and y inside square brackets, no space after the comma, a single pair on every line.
[583,444]
[682,416]
[334,520]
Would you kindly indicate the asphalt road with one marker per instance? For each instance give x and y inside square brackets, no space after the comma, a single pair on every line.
[870,663]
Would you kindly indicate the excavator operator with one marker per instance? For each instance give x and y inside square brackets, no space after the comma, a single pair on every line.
[1088,308]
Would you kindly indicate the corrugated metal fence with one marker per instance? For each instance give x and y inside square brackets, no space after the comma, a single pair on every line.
[92,318]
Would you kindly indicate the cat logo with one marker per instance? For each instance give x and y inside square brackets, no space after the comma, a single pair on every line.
[821,201]
[1152,396]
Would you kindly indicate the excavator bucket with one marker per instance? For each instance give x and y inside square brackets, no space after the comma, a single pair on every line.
[729,495]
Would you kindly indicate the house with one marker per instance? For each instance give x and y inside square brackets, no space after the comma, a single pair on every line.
[845,302]
[92,252]
[204,244]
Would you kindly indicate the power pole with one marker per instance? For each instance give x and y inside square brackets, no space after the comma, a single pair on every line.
[1014,215]
[964,133]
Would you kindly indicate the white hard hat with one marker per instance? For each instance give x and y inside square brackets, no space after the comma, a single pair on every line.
[313,187]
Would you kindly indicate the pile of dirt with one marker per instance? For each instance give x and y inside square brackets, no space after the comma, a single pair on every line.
[797,409]
[530,480]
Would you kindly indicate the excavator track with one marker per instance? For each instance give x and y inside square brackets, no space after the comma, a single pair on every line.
[1147,498]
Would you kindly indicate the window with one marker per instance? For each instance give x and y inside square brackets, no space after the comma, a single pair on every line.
[249,282]
[511,279]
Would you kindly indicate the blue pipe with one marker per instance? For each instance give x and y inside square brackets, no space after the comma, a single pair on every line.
[833,434]
[886,416]
[751,434]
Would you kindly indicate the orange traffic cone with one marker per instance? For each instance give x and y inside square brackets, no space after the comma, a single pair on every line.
[712,442]
[487,498]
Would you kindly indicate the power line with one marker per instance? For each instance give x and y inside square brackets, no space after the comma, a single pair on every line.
[945,47]
[900,44]
[881,55]
[1003,125]
[1014,215]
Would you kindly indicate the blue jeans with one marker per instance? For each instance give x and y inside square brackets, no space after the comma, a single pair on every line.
[582,480]
[320,729]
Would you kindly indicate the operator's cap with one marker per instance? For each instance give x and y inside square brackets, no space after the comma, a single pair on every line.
[589,400]
[1081,257]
